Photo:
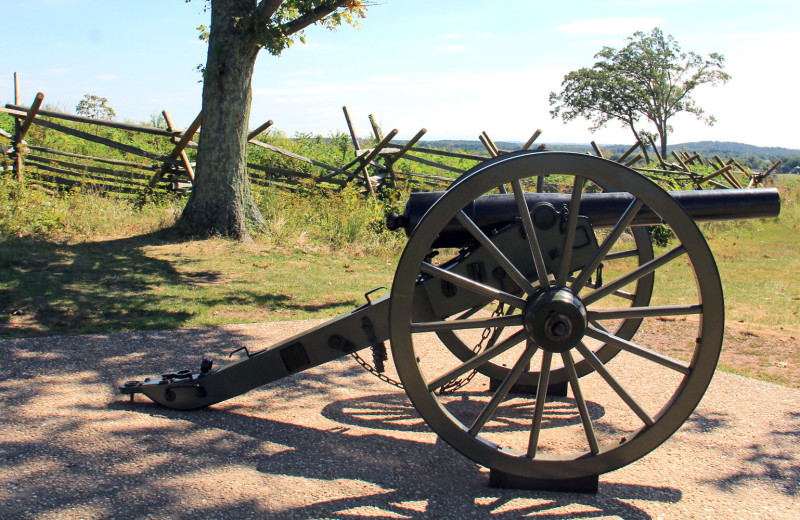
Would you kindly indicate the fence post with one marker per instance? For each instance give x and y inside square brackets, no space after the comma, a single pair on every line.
[18,166]
[533,138]
[629,151]
[184,157]
[370,156]
[350,127]
[597,150]
[494,151]
[375,128]
[176,152]
[255,133]
[22,129]
[658,154]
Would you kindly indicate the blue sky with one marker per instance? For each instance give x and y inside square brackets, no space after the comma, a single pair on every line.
[454,67]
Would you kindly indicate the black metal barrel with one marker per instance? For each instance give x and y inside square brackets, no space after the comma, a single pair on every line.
[603,209]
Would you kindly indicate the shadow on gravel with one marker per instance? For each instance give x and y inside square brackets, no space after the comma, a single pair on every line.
[392,412]
[699,423]
[415,479]
[775,461]
[70,447]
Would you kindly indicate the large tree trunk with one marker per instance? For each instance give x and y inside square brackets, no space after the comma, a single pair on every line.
[221,201]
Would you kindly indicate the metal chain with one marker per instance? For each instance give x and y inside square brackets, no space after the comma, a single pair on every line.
[452,385]
[456,384]
[374,371]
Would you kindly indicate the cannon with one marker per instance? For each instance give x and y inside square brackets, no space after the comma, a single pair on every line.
[537,273]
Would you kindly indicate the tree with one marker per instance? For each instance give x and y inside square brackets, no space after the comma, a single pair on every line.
[650,77]
[95,107]
[221,201]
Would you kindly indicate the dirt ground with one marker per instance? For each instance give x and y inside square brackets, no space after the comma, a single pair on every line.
[334,442]
[769,354]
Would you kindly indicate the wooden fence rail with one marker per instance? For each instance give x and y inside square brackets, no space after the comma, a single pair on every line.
[159,170]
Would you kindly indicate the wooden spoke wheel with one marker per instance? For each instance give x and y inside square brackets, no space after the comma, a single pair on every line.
[638,248]
[637,389]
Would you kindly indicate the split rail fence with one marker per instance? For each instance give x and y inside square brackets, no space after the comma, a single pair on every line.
[168,167]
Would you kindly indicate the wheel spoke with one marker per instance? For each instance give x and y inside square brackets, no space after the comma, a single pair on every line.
[471,285]
[638,350]
[614,384]
[569,365]
[498,255]
[476,361]
[628,253]
[622,294]
[654,311]
[530,231]
[569,236]
[608,243]
[640,272]
[625,294]
[480,323]
[541,398]
[498,397]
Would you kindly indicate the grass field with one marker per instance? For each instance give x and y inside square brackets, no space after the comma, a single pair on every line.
[76,263]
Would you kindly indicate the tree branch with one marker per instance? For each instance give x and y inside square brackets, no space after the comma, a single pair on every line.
[312,17]
[265,9]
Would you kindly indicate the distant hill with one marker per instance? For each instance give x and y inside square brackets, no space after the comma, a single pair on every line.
[734,149]
[756,157]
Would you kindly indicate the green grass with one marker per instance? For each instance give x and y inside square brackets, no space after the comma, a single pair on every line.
[75,215]
[158,281]
[81,263]
[78,263]
[759,262]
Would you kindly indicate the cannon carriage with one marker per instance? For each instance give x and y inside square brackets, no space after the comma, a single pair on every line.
[528,311]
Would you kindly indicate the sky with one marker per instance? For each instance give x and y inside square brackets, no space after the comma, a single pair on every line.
[456,68]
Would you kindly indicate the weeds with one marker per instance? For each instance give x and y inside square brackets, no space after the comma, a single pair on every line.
[335,220]
[73,215]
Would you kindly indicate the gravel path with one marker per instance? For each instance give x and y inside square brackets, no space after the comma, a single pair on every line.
[334,443]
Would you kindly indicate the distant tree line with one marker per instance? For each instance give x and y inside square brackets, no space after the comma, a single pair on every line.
[753,157]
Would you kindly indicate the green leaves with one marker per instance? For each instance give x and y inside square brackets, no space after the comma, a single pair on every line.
[95,107]
[276,25]
[649,78]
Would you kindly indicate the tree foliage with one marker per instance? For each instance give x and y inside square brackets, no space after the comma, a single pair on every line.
[650,78]
[275,25]
[95,107]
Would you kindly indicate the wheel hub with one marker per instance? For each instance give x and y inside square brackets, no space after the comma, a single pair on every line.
[555,320]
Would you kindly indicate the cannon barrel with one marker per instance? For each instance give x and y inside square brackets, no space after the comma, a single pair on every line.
[603,209]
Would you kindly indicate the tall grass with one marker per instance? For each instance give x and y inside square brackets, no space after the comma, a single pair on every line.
[75,215]
[340,220]
[311,218]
